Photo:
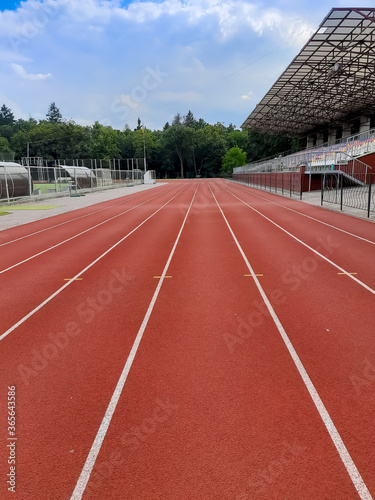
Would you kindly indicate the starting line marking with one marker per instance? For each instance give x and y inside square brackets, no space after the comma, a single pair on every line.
[158,277]
[254,275]
[347,273]
[73,279]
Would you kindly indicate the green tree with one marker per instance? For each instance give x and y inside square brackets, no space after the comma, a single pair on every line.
[238,138]
[139,124]
[4,145]
[53,114]
[6,116]
[189,120]
[105,142]
[179,140]
[177,119]
[234,157]
[211,144]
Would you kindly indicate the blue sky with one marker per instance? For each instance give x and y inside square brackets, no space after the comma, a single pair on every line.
[114,61]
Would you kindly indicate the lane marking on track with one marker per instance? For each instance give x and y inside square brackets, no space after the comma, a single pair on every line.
[304,244]
[330,426]
[48,299]
[99,438]
[312,218]
[77,218]
[76,235]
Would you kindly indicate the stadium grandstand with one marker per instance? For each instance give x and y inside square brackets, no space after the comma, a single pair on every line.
[327,96]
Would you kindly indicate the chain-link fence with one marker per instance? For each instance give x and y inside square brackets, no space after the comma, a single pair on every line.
[69,177]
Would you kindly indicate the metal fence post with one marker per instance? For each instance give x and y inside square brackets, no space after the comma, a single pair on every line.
[55,178]
[290,178]
[282,183]
[300,196]
[369,196]
[322,180]
[342,190]
[6,183]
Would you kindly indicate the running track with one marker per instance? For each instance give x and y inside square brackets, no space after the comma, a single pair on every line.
[199,341]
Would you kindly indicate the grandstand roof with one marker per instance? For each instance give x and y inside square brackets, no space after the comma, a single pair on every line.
[332,79]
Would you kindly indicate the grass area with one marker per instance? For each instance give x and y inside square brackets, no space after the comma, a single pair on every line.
[44,187]
[4,213]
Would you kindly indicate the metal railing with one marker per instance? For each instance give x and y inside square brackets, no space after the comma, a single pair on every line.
[314,162]
[325,155]
[338,188]
[288,183]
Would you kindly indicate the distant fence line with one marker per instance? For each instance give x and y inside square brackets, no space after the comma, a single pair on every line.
[289,183]
[37,177]
[93,164]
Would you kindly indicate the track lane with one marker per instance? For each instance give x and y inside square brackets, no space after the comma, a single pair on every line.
[353,226]
[198,420]
[358,261]
[332,335]
[42,243]
[30,229]
[40,281]
[64,388]
[186,376]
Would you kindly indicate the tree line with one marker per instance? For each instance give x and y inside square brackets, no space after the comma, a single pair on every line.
[187,147]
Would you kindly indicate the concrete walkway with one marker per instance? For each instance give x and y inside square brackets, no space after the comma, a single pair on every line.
[23,213]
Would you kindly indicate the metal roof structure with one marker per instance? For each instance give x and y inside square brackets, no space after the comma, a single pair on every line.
[331,81]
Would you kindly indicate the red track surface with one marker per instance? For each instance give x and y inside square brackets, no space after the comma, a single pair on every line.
[213,405]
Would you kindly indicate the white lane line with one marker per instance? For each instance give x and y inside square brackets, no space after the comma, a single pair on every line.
[75,218]
[330,426]
[312,218]
[68,283]
[99,438]
[76,235]
[304,244]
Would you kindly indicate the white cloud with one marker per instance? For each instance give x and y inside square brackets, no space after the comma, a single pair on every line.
[19,70]
[212,52]
[247,96]
[231,17]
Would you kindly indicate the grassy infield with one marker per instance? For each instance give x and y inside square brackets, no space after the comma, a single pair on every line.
[44,188]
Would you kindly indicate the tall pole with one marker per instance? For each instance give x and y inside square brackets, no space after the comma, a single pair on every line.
[144,148]
[28,166]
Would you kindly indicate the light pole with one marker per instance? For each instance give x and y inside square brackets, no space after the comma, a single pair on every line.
[144,147]
[28,166]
